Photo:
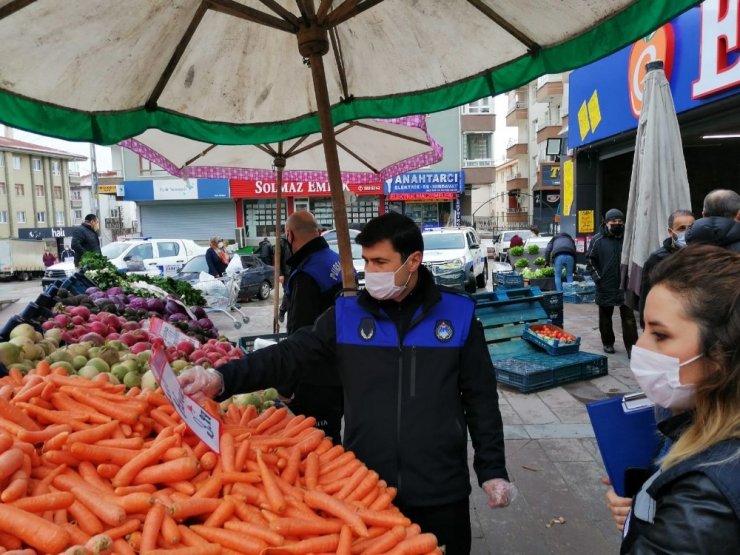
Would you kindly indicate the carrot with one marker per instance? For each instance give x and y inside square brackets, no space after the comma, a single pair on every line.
[9,541]
[143,459]
[99,544]
[180,469]
[420,544]
[208,460]
[190,538]
[35,531]
[192,507]
[170,531]
[210,487]
[10,461]
[86,519]
[90,474]
[122,547]
[312,470]
[255,531]
[118,411]
[310,442]
[382,502]
[146,488]
[386,541]
[11,413]
[272,491]
[230,539]
[320,544]
[107,470]
[17,487]
[6,440]
[27,393]
[124,529]
[292,526]
[204,549]
[151,528]
[223,513]
[345,541]
[319,500]
[98,454]
[136,502]
[354,481]
[386,519]
[108,512]
[339,473]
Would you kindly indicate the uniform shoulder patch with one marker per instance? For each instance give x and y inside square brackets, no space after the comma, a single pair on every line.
[443,330]
[367,328]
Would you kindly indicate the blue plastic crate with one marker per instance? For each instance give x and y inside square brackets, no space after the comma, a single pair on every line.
[554,348]
[536,371]
[508,280]
[552,300]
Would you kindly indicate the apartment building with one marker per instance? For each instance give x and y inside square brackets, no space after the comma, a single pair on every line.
[34,186]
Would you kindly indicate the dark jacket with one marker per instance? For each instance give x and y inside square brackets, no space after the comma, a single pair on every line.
[216,266]
[84,239]
[562,243]
[692,507]
[285,253]
[603,261]
[416,377]
[722,232]
[67,253]
[265,252]
[313,283]
[663,252]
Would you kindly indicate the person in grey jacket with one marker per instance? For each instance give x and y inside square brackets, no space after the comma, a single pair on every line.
[561,253]
[85,238]
[604,255]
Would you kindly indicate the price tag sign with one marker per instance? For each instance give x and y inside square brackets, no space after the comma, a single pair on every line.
[168,332]
[202,424]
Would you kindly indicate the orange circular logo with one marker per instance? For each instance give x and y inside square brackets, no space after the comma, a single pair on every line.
[659,45]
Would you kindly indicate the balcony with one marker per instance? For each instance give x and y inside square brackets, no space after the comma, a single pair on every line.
[75,203]
[517,181]
[475,123]
[479,174]
[548,89]
[514,149]
[548,130]
[518,111]
[517,215]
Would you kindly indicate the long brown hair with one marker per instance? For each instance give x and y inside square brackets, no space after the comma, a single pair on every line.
[707,280]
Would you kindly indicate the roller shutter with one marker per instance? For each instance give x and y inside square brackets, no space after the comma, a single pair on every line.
[195,220]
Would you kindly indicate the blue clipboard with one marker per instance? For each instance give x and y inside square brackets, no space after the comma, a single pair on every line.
[626,434]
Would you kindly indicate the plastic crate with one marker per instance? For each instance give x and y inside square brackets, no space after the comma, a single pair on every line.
[586,298]
[537,371]
[554,348]
[555,316]
[551,300]
[509,280]
[247,343]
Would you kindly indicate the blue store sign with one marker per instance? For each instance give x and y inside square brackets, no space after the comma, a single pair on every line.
[175,189]
[701,53]
[426,182]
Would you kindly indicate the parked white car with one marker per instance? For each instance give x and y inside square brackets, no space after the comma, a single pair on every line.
[144,256]
[503,242]
[456,258]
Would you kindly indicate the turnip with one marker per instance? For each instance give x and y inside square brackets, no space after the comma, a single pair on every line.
[148,381]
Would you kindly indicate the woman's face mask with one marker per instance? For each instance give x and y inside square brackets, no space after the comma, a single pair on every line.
[220,244]
[659,378]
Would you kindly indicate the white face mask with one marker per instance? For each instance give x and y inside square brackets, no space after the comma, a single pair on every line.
[658,376]
[382,285]
[680,240]
[221,244]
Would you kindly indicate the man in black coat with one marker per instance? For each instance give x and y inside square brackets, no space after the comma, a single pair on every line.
[265,251]
[417,377]
[85,238]
[604,255]
[678,222]
[720,224]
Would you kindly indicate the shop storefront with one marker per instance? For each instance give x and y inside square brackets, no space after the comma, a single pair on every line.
[431,198]
[257,208]
[700,54]
[185,209]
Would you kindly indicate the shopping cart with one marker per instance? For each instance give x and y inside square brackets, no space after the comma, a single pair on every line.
[221,295]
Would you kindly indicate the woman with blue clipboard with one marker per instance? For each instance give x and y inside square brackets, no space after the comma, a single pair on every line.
[688,361]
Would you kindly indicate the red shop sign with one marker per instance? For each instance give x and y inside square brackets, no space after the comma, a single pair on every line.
[256,188]
[422,196]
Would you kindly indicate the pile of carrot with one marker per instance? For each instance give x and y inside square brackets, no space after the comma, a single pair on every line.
[87,468]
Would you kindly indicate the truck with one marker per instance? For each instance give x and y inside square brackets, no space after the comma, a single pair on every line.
[21,259]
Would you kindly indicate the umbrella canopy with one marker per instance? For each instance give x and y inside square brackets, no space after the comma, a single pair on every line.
[234,71]
[659,184]
[369,151]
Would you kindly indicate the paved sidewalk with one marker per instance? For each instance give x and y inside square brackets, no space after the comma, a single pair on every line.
[551,454]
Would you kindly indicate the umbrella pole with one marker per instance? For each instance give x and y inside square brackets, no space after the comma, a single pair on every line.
[279,164]
[313,44]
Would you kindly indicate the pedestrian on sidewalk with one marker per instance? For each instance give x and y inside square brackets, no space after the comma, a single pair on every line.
[48,258]
[687,361]
[215,257]
[678,222]
[416,375]
[604,255]
[561,254]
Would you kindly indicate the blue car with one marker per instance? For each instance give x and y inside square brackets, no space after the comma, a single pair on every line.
[256,278]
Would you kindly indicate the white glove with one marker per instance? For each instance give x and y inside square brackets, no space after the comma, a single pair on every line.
[201,383]
[500,492]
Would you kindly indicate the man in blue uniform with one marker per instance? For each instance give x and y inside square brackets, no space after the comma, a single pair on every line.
[416,376]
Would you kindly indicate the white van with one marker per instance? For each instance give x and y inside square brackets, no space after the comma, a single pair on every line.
[145,256]
[456,258]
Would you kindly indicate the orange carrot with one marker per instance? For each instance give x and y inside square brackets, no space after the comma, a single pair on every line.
[122,547]
[192,507]
[419,544]
[386,519]
[11,413]
[86,519]
[204,549]
[208,460]
[312,470]
[293,526]
[179,469]
[151,527]
[10,461]
[17,487]
[255,531]
[35,531]
[170,530]
[354,481]
[106,511]
[320,544]
[124,529]
[94,434]
[90,474]
[345,541]
[272,491]
[98,454]
[143,459]
[118,411]
[230,539]
[319,500]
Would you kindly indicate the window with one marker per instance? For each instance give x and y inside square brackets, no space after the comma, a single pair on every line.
[20,216]
[3,189]
[147,168]
[57,192]
[478,146]
[39,190]
[20,189]
[16,162]
[259,217]
[36,164]
[76,195]
[59,217]
[78,214]
[56,167]
[3,216]
[482,106]
[143,251]
[41,217]
[168,248]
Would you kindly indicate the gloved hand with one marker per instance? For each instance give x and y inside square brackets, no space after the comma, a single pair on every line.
[500,492]
[201,383]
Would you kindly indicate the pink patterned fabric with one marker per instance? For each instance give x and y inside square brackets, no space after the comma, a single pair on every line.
[432,156]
